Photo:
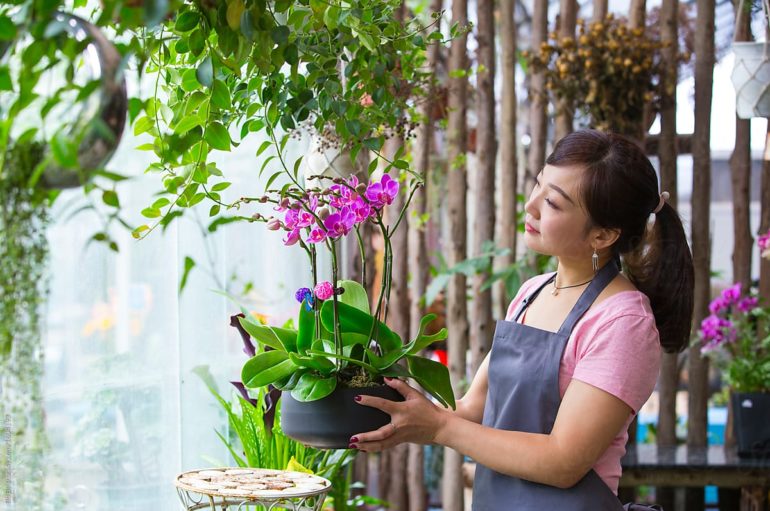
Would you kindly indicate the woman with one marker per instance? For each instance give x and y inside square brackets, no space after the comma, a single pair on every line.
[546,416]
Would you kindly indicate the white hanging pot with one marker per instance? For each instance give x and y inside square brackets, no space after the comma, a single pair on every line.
[751,79]
[330,161]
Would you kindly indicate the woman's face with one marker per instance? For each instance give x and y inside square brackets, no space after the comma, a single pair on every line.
[556,219]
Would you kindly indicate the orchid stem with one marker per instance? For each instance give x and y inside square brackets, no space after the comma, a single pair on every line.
[337,336]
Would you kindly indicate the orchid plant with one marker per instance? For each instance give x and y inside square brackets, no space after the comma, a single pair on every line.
[734,336]
[338,340]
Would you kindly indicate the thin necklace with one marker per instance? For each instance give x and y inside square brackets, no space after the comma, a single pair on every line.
[556,288]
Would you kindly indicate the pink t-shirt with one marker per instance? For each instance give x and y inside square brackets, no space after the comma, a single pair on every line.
[614,347]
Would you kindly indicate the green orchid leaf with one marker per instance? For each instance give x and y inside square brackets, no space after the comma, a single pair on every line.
[351,339]
[353,320]
[305,327]
[354,295]
[265,368]
[352,360]
[312,387]
[396,371]
[282,339]
[422,341]
[385,361]
[320,363]
[288,383]
[434,378]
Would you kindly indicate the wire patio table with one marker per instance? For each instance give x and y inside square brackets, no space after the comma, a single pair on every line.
[241,489]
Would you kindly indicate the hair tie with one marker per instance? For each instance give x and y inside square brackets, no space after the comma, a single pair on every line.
[663,198]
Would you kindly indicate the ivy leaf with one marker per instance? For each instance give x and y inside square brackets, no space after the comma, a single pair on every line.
[143,125]
[5,79]
[217,136]
[64,151]
[196,42]
[186,21]
[220,95]
[280,34]
[151,212]
[189,264]
[234,12]
[110,198]
[7,29]
[205,72]
[189,81]
[187,123]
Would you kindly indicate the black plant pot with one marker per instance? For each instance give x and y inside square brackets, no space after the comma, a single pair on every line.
[752,423]
[330,422]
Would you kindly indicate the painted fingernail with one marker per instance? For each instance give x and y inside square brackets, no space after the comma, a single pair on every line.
[354,440]
[357,398]
[353,446]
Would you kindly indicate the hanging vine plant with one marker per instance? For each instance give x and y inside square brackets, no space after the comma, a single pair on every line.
[24,288]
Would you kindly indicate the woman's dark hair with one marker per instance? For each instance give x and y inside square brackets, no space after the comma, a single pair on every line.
[619,191]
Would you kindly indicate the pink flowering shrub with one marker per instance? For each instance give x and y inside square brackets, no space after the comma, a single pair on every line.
[735,337]
[764,245]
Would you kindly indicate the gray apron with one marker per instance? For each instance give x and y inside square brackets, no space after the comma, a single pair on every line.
[524,396]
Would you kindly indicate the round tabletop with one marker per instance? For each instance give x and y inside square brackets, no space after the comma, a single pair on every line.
[273,489]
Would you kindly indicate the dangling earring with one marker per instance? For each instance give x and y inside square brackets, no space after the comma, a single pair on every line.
[595,261]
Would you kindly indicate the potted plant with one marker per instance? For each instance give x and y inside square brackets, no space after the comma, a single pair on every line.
[340,347]
[610,73]
[236,73]
[751,72]
[736,339]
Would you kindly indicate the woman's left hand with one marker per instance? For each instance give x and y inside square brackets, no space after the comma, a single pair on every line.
[415,420]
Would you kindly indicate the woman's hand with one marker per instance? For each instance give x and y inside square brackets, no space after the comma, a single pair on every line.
[415,420]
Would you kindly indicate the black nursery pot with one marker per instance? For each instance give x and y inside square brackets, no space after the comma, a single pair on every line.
[330,422]
[752,423]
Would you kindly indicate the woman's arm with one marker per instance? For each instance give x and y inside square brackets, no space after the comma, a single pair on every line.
[471,406]
[587,422]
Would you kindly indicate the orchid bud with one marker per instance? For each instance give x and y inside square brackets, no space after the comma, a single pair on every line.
[264,199]
[273,224]
[323,213]
[256,216]
[284,202]
[295,205]
[361,188]
[339,181]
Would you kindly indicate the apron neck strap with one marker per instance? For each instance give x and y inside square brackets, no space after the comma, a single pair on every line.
[608,272]
[529,299]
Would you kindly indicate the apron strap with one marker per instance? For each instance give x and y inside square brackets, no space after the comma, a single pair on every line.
[597,285]
[529,299]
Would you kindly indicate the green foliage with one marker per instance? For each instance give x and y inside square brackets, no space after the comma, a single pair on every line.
[314,373]
[225,73]
[23,289]
[253,444]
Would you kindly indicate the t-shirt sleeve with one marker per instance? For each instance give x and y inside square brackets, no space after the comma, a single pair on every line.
[621,357]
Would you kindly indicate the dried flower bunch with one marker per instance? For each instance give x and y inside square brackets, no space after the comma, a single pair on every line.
[610,72]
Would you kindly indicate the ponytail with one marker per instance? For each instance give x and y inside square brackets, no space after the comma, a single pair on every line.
[661,267]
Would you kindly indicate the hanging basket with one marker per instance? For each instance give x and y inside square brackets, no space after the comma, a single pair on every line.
[330,422]
[751,79]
